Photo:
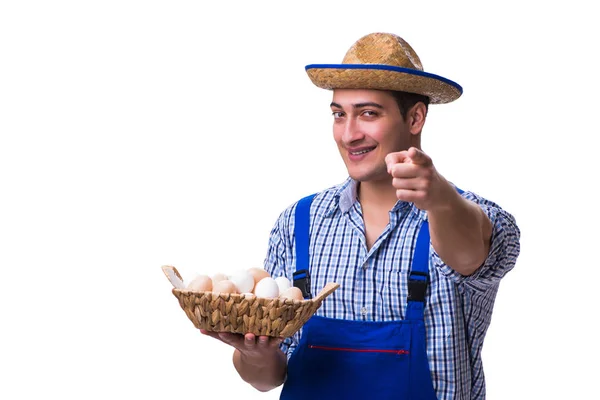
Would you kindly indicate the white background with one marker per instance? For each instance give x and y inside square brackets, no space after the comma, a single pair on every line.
[141,133]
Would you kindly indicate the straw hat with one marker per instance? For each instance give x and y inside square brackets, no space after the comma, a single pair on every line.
[384,61]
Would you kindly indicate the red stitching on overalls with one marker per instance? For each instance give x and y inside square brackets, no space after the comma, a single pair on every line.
[399,352]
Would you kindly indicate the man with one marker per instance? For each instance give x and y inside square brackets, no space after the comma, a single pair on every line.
[418,260]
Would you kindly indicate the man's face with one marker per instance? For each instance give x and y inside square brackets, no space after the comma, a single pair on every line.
[368,126]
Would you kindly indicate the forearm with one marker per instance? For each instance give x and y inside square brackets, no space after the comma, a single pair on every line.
[460,234]
[264,375]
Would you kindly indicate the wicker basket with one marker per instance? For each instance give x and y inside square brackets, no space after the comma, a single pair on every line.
[238,313]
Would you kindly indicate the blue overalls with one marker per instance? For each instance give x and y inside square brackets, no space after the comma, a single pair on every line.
[344,359]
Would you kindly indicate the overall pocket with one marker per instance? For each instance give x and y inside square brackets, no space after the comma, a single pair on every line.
[341,359]
[380,369]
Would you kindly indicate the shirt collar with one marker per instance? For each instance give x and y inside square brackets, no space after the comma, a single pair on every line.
[344,191]
[348,195]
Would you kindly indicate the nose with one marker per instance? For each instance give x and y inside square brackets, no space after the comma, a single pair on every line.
[352,132]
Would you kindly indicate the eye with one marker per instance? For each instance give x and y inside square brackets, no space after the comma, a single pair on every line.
[369,113]
[337,114]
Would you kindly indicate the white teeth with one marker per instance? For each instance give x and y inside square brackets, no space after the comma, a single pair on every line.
[360,152]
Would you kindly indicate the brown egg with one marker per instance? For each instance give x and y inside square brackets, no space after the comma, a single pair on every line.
[293,293]
[218,277]
[201,283]
[224,286]
[258,274]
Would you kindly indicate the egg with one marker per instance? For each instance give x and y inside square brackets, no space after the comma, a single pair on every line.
[266,288]
[218,277]
[258,274]
[201,283]
[293,293]
[224,286]
[283,283]
[243,281]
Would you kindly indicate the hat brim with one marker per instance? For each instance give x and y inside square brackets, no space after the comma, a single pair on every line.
[384,77]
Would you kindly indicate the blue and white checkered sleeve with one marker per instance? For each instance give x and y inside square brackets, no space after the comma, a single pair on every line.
[275,264]
[504,248]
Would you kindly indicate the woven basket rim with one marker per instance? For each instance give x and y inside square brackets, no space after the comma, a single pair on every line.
[240,296]
[245,312]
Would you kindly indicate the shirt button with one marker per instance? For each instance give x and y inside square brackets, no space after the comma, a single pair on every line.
[363,311]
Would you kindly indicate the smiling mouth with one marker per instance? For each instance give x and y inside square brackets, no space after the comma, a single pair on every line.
[364,151]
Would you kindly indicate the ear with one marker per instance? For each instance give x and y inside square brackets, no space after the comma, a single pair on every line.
[416,118]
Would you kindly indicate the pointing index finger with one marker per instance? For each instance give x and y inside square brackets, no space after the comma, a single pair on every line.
[418,156]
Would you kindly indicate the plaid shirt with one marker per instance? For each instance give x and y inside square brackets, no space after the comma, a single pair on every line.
[373,283]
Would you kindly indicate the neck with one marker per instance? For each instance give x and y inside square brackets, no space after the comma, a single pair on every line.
[380,194]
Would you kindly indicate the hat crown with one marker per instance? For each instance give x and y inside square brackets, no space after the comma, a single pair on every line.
[383,48]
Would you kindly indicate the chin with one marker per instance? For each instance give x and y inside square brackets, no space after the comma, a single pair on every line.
[368,175]
[361,176]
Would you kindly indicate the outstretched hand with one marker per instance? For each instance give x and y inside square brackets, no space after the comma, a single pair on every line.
[416,180]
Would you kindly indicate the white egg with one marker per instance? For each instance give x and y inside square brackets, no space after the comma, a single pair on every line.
[243,281]
[283,283]
[267,287]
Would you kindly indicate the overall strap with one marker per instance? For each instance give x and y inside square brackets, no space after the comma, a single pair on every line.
[418,279]
[302,234]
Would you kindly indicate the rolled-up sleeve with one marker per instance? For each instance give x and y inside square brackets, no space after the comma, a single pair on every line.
[275,265]
[503,254]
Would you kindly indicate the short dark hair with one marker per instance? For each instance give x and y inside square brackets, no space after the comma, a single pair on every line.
[407,100]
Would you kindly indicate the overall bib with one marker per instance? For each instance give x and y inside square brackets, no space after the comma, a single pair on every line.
[345,359]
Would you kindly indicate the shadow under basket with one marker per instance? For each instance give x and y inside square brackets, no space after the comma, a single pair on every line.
[239,313]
